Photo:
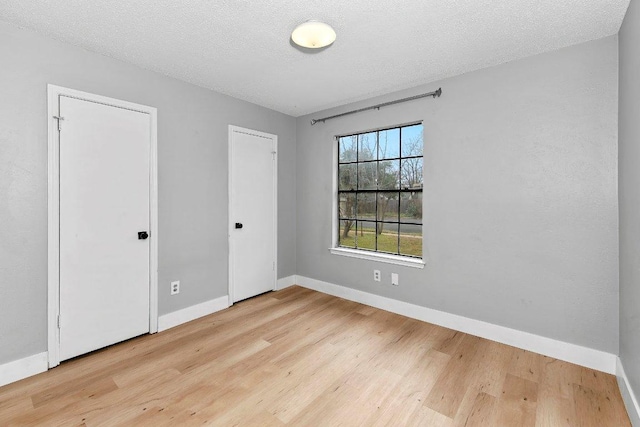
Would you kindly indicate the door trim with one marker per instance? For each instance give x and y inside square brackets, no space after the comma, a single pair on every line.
[53,220]
[231,224]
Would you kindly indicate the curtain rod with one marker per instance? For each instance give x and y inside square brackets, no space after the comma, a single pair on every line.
[433,94]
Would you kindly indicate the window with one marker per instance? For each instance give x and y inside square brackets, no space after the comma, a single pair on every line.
[380,191]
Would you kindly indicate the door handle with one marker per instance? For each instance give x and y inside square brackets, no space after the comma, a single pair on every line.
[142,235]
[239,225]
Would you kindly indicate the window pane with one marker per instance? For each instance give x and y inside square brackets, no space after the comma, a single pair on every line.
[347,235]
[347,177]
[367,146]
[412,144]
[388,238]
[380,182]
[367,175]
[388,174]
[367,206]
[366,237]
[348,148]
[411,208]
[411,242]
[389,144]
[388,206]
[346,205]
[411,173]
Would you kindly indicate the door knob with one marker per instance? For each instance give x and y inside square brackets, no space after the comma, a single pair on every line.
[239,225]
[142,235]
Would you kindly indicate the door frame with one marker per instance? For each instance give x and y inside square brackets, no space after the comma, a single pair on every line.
[53,202]
[231,224]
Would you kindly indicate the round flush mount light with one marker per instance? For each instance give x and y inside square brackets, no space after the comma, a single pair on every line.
[313,35]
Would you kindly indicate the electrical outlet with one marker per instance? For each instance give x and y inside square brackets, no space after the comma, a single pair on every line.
[376,275]
[175,287]
[394,279]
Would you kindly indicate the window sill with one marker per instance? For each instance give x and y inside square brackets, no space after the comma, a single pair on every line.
[373,256]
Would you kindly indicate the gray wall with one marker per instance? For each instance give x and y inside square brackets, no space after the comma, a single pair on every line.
[629,195]
[192,151]
[520,196]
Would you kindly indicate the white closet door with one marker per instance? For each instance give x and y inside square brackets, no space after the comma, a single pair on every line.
[252,213]
[104,204]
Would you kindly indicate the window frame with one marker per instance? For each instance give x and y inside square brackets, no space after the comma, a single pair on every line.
[372,255]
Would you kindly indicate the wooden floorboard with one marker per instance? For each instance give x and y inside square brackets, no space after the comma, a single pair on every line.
[299,357]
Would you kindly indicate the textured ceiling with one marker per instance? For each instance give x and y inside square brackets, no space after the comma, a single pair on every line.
[242,47]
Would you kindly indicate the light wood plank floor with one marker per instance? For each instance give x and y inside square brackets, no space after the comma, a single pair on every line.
[298,357]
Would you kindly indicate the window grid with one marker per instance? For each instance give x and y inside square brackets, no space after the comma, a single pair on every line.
[353,220]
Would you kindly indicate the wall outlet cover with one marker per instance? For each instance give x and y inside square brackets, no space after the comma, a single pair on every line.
[175,287]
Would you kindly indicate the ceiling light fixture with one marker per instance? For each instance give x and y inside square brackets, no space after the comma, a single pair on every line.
[313,35]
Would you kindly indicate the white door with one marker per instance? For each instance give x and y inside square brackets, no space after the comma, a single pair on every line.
[104,203]
[252,213]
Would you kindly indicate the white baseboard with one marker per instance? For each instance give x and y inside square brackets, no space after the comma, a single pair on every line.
[630,400]
[584,356]
[188,314]
[285,282]
[23,368]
